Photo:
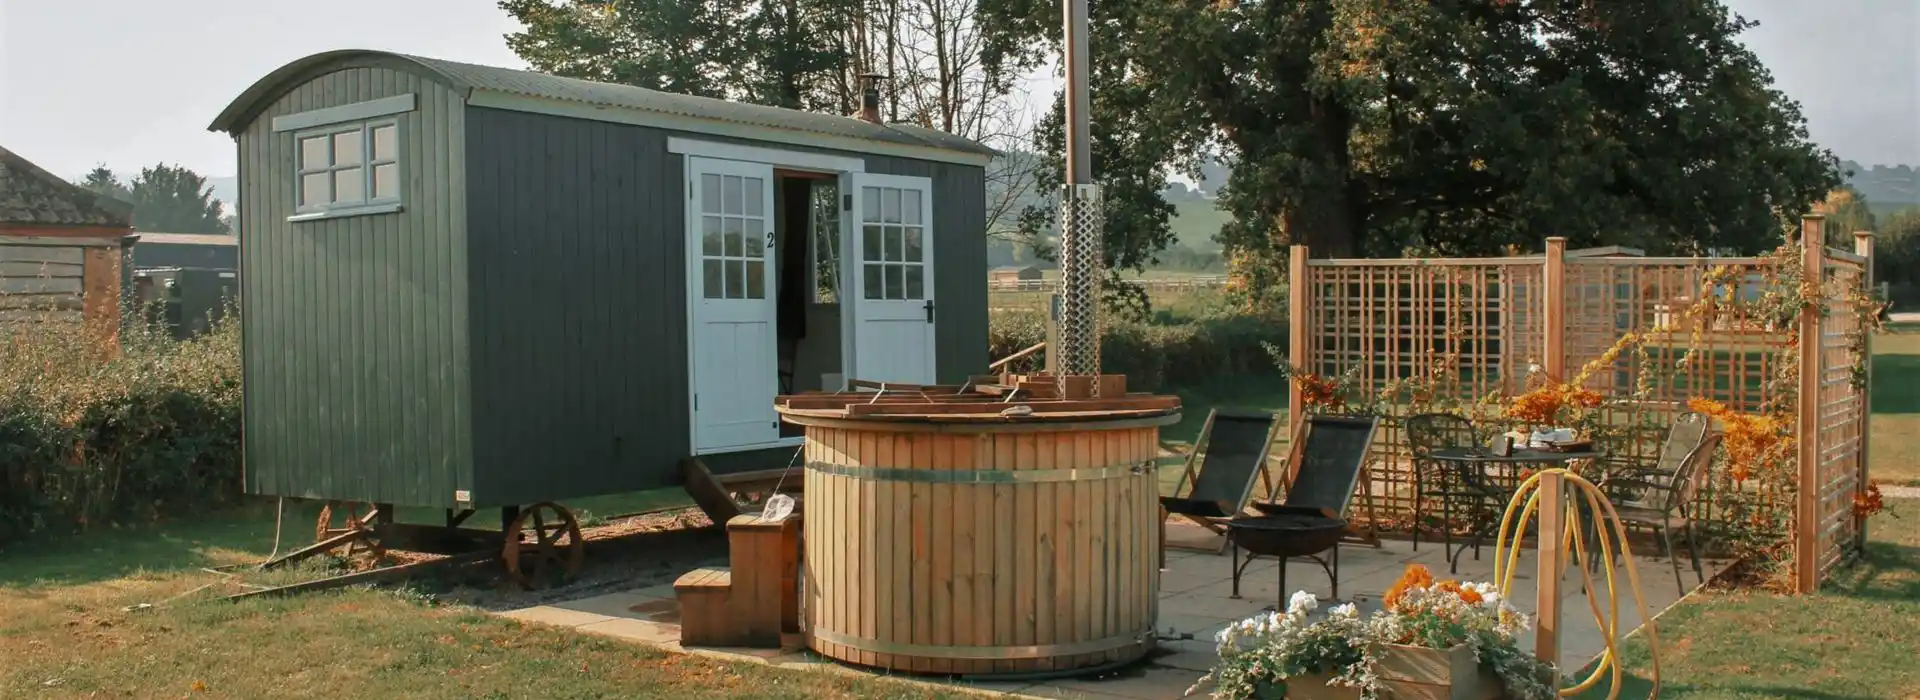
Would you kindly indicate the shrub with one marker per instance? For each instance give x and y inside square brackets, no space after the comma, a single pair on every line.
[1168,348]
[88,439]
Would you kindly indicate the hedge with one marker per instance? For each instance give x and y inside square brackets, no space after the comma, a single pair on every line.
[90,438]
[1156,354]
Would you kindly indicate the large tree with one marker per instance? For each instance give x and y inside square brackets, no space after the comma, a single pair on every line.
[1379,127]
[166,198]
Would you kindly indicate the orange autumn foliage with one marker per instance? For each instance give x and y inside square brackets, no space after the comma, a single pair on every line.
[1749,440]
[1317,391]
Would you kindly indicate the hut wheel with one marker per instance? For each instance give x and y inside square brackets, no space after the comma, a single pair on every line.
[339,517]
[543,546]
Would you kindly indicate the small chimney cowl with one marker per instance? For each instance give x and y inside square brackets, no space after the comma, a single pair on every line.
[870,98]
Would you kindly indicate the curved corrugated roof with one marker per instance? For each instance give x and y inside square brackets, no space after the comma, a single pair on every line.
[467,77]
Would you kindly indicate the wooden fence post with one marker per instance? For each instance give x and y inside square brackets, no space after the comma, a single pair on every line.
[1806,512]
[1549,567]
[1298,349]
[1863,246]
[1554,319]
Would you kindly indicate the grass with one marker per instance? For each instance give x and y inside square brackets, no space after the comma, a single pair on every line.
[1895,454]
[71,626]
[1843,643]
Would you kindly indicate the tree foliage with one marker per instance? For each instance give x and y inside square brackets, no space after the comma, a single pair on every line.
[798,54]
[165,198]
[1376,127]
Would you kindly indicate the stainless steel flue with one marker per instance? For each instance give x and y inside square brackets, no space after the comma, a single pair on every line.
[1076,311]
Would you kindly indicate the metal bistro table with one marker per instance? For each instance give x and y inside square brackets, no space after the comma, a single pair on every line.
[1474,466]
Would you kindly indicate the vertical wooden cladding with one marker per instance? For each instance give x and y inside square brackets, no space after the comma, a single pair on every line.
[579,331]
[354,328]
[925,576]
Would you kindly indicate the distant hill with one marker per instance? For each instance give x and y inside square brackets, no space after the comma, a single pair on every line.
[1887,189]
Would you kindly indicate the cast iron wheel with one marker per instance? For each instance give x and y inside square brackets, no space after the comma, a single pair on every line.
[544,546]
[351,517]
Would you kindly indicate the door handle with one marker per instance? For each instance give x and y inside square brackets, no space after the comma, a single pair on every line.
[929,311]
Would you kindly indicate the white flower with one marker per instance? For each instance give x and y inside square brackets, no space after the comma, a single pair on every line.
[1344,611]
[1533,369]
[1302,603]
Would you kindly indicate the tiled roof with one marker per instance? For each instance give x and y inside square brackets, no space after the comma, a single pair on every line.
[31,195]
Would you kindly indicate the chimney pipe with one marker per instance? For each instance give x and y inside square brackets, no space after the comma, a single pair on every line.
[870,98]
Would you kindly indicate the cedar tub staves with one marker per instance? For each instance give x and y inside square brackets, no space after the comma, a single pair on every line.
[950,535]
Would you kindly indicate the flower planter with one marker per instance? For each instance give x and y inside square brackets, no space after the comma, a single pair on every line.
[1419,673]
[1313,687]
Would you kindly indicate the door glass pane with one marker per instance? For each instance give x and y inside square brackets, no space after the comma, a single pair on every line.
[730,194]
[910,206]
[890,205]
[710,236]
[349,185]
[869,204]
[915,253]
[916,281]
[755,189]
[872,282]
[736,283]
[710,194]
[870,242]
[893,244]
[313,188]
[386,181]
[732,237]
[346,148]
[711,278]
[756,279]
[313,153]
[894,290]
[754,239]
[386,144]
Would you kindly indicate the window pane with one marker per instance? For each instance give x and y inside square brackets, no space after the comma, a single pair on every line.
[349,185]
[910,206]
[893,243]
[710,194]
[386,143]
[755,189]
[711,277]
[754,238]
[873,274]
[756,279]
[732,230]
[730,194]
[313,188]
[386,181]
[893,283]
[313,153]
[870,242]
[710,236]
[736,284]
[915,251]
[869,204]
[890,205]
[916,281]
[346,148]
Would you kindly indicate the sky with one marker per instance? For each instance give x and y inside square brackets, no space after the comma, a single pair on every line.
[135,82]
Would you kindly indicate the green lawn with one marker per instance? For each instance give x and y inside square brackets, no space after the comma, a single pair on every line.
[1894,457]
[1857,639]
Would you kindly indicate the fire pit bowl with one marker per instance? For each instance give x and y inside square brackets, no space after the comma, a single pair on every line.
[1286,532]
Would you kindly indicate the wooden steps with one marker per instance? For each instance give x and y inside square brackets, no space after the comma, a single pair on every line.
[753,601]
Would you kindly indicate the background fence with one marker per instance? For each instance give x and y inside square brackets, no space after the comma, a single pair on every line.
[1488,322]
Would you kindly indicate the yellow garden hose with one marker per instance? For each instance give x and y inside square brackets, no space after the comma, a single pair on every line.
[1506,561]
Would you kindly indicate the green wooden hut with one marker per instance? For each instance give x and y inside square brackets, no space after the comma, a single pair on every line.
[473,286]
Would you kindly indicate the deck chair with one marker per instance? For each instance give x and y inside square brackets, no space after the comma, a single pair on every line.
[1220,471]
[1325,472]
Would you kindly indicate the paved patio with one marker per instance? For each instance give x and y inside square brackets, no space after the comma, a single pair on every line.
[1194,600]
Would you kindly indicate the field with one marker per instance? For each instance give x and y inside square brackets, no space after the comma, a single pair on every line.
[1895,453]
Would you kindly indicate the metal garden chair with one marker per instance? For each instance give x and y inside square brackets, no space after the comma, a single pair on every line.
[1433,478]
[1659,496]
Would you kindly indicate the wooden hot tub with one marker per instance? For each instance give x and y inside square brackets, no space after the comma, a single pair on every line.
[943,537]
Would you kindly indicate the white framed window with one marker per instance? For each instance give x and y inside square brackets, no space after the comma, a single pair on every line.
[348,168]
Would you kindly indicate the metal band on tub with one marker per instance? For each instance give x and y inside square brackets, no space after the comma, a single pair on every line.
[982,476]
